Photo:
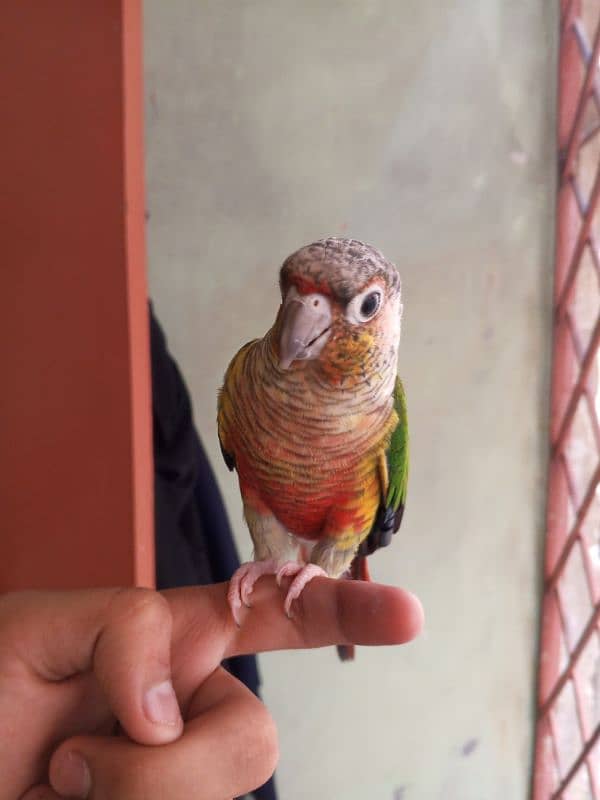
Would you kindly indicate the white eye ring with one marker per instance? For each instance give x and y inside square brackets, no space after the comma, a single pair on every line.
[364,306]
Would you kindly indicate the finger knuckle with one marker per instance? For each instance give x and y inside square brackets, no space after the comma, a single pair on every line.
[139,607]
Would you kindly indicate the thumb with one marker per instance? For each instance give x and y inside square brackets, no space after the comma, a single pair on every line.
[123,636]
[132,661]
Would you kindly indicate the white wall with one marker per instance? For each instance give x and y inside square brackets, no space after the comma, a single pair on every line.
[425,127]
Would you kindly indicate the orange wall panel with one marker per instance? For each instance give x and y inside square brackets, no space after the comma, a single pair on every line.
[75,425]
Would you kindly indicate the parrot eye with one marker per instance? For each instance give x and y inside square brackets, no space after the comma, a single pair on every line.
[364,306]
[370,304]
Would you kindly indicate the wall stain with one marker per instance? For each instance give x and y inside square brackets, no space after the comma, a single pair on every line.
[469,747]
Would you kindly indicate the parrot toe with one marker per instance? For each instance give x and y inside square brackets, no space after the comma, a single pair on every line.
[286,570]
[242,583]
[233,598]
[304,576]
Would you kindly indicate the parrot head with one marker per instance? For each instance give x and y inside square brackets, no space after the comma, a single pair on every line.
[341,309]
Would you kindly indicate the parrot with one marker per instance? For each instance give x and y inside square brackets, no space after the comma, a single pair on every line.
[313,419]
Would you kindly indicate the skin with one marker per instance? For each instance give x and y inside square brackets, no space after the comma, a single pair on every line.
[73,663]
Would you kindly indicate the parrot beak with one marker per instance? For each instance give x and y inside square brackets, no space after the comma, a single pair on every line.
[305,328]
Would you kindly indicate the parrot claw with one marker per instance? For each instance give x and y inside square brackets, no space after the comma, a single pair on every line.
[242,583]
[286,570]
[304,575]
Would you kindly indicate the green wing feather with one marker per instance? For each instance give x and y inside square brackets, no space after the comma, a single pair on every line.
[390,512]
[398,458]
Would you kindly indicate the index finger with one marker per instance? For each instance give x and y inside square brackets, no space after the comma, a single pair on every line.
[328,612]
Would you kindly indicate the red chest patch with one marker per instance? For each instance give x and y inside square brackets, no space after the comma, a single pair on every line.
[304,511]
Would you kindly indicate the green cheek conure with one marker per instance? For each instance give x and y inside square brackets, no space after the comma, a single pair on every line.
[313,418]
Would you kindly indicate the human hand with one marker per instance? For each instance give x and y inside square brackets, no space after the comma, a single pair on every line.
[73,663]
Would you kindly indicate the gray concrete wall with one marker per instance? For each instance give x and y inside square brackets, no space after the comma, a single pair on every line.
[425,127]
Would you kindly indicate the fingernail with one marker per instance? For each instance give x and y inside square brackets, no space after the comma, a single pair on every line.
[161,706]
[71,776]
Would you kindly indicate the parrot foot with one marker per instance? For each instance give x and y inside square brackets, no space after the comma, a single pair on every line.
[304,575]
[242,583]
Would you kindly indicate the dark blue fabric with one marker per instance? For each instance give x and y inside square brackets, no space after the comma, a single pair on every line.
[194,544]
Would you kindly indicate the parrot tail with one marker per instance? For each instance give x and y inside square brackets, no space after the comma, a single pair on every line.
[359,571]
